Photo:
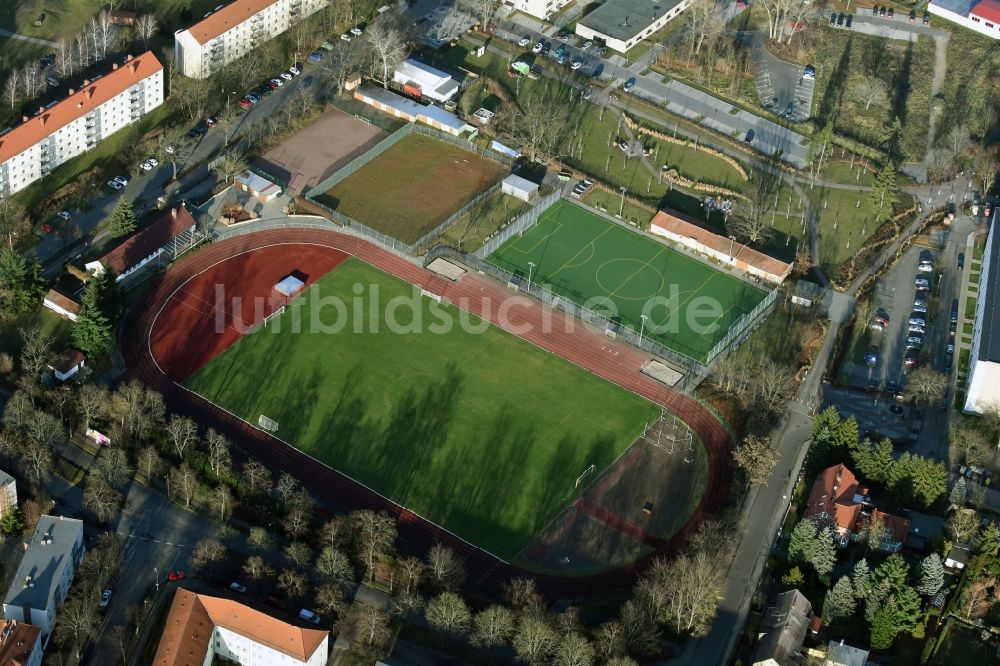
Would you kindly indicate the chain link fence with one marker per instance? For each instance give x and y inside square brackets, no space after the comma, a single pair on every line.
[361,160]
[518,226]
[456,216]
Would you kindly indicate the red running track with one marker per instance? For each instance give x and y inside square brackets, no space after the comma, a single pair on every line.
[551,330]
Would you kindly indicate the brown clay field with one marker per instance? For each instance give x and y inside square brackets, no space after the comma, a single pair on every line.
[412,187]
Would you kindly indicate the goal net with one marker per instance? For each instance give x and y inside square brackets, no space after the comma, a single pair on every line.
[586,472]
[670,434]
[267,424]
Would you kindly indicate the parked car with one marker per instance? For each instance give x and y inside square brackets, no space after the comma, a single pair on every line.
[278,82]
[917,321]
[316,56]
[914,328]
[910,359]
[875,10]
[927,19]
[169,150]
[833,18]
[891,12]
[537,48]
[840,18]
[881,11]
[961,260]
[629,84]
[925,268]
[915,340]
[64,214]
[286,76]
[211,122]
[275,602]
[145,165]
[987,209]
[308,616]
[524,41]
[871,356]
[294,70]
[576,65]
[176,575]
[346,37]
[809,73]
[47,228]
[105,598]
[913,16]
[918,307]
[236,587]
[546,48]
[848,20]
[357,31]
[749,136]
[588,93]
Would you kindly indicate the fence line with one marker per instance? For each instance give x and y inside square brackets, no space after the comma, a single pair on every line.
[483,151]
[456,216]
[361,160]
[363,112]
[525,221]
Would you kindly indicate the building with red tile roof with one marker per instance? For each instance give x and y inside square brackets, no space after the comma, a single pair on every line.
[146,244]
[693,235]
[200,627]
[837,500]
[234,30]
[20,644]
[99,108]
[982,16]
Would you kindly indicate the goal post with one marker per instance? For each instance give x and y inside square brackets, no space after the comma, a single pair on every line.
[267,424]
[589,470]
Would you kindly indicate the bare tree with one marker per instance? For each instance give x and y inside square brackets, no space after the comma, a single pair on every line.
[703,25]
[444,568]
[148,462]
[410,568]
[65,60]
[773,386]
[92,402]
[182,432]
[481,10]
[979,596]
[254,478]
[296,523]
[36,459]
[219,460]
[32,80]
[81,50]
[145,27]
[375,534]
[493,627]
[330,601]
[12,89]
[191,96]
[573,650]
[103,34]
[222,497]
[777,16]
[536,126]
[987,164]
[113,466]
[387,47]
[522,594]
[688,590]
[229,165]
[101,498]
[77,625]
[334,566]
[256,569]
[207,551]
[372,626]
[534,639]
[298,553]
[140,410]
[36,350]
[962,525]
[926,385]
[260,539]
[449,614]
[182,482]
[610,640]
[756,458]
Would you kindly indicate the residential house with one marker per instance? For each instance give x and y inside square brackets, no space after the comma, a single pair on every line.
[231,31]
[841,654]
[20,644]
[62,305]
[67,364]
[47,569]
[95,110]
[201,628]
[923,528]
[170,234]
[783,631]
[838,501]
[958,557]
[8,493]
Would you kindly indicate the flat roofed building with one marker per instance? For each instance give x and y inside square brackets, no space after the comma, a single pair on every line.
[430,82]
[231,32]
[540,8]
[982,16]
[200,628]
[983,392]
[79,122]
[621,24]
[20,644]
[46,571]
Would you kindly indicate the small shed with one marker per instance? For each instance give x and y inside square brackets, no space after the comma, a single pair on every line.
[61,304]
[289,286]
[257,186]
[519,188]
[957,558]
[67,364]
[806,293]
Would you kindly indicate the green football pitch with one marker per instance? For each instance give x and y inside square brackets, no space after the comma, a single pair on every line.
[477,430]
[689,306]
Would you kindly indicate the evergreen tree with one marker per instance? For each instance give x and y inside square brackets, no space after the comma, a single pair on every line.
[122,220]
[931,575]
[861,579]
[874,462]
[93,329]
[883,195]
[929,481]
[901,474]
[845,439]
[802,543]
[11,522]
[988,541]
[878,593]
[824,431]
[793,578]
[824,555]
[883,629]
[840,602]
[959,492]
[21,283]
[894,571]
[907,609]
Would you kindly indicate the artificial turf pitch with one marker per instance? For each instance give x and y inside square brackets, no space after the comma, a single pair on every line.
[481,432]
[593,261]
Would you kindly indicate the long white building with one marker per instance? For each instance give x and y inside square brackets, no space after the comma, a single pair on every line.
[540,8]
[235,30]
[200,628]
[983,392]
[101,107]
[983,16]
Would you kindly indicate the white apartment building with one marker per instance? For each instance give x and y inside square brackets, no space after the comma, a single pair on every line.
[234,30]
[47,569]
[983,392]
[983,16]
[100,108]
[621,24]
[200,628]
[539,8]
[8,493]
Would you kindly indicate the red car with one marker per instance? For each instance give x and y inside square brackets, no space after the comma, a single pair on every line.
[245,103]
[175,575]
[47,228]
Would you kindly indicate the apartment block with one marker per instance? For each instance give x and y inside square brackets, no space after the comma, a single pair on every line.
[74,125]
[234,30]
[540,8]
[8,493]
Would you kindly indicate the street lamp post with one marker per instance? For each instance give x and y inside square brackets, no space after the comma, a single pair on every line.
[531,265]
[156,572]
[732,244]
[621,209]
[642,327]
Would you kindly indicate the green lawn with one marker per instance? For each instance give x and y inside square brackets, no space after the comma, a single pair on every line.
[51,324]
[413,186]
[689,305]
[480,431]
[469,233]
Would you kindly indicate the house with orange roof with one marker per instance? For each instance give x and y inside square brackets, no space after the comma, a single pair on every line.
[170,234]
[200,628]
[20,644]
[233,30]
[62,130]
[838,501]
[698,238]
[983,16]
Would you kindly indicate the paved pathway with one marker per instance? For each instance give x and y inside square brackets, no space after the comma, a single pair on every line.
[24,38]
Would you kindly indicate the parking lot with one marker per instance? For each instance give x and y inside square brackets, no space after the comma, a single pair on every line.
[570,49]
[784,87]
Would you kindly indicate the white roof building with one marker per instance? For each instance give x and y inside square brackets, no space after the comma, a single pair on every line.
[433,83]
[45,574]
[540,8]
[519,188]
[983,392]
